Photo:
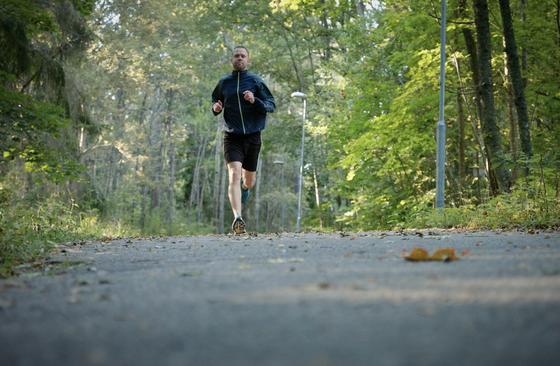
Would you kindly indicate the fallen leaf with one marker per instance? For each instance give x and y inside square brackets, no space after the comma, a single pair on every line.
[421,255]
[418,254]
[444,254]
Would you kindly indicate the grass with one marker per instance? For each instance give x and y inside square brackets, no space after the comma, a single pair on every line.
[29,234]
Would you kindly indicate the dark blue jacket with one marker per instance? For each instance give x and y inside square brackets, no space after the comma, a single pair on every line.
[242,117]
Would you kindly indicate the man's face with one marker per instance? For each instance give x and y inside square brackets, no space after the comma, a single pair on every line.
[240,59]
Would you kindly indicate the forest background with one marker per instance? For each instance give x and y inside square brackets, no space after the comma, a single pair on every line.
[106,127]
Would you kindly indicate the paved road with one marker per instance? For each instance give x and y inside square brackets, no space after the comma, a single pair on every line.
[309,299]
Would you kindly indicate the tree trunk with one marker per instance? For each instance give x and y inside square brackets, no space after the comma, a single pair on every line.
[155,150]
[490,128]
[142,111]
[317,196]
[223,185]
[110,173]
[513,133]
[195,186]
[516,80]
[143,207]
[558,20]
[326,33]
[360,8]
[474,120]
[81,143]
[461,143]
[218,167]
[200,204]
[473,56]
[470,43]
[524,64]
[171,162]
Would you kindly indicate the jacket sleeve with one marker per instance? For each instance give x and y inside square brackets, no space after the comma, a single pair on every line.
[217,95]
[264,100]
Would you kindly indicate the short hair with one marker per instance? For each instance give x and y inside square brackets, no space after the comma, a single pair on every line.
[241,46]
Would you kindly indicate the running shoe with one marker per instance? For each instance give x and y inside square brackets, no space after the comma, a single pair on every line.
[238,226]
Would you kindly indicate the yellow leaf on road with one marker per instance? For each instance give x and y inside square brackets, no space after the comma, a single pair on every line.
[420,254]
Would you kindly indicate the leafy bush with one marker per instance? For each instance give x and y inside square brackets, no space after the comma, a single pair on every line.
[524,208]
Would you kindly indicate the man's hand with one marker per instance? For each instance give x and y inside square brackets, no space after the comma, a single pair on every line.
[248,96]
[218,106]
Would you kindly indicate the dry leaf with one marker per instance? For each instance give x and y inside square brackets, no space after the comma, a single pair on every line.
[444,254]
[418,254]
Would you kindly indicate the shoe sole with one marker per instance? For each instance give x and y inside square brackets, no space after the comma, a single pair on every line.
[239,227]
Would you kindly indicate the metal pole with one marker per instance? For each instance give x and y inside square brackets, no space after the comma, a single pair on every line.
[258,194]
[283,194]
[283,207]
[440,165]
[300,183]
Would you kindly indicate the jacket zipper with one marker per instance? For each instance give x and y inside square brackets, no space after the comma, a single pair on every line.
[239,102]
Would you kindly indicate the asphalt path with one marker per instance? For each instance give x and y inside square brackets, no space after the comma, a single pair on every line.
[289,299]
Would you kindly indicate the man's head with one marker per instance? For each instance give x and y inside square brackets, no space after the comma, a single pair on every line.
[240,58]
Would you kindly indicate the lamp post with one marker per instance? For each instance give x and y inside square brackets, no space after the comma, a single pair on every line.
[280,163]
[301,95]
[440,164]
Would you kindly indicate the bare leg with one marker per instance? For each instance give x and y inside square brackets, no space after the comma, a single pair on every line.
[249,179]
[234,188]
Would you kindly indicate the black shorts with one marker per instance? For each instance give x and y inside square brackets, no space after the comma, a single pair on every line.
[243,148]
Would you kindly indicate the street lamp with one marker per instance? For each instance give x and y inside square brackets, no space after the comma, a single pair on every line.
[301,95]
[440,163]
[280,163]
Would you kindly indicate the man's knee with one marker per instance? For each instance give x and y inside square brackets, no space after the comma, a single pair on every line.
[234,173]
[249,180]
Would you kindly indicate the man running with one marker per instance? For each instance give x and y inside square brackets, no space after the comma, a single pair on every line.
[245,100]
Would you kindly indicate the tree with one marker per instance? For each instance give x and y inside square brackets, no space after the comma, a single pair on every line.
[491,131]
[516,79]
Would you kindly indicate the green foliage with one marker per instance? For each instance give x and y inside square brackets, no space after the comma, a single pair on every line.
[32,223]
[30,227]
[28,127]
[533,204]
[85,7]
[34,17]
[39,104]
[390,166]
[513,211]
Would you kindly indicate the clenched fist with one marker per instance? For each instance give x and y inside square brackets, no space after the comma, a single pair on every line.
[248,96]
[218,106]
